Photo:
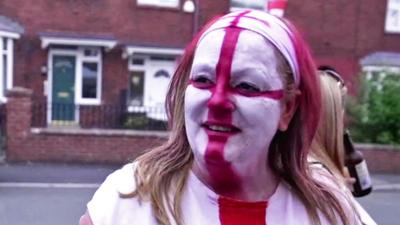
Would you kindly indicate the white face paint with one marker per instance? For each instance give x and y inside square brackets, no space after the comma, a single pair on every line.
[254,114]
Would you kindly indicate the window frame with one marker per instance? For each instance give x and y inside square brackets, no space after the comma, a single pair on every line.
[392,5]
[158,3]
[235,8]
[9,53]
[81,59]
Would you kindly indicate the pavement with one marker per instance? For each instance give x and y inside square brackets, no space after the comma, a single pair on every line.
[385,182]
[50,174]
[89,175]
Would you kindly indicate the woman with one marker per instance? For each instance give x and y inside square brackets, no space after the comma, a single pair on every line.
[327,148]
[243,108]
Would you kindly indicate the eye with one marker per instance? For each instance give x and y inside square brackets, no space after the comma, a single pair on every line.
[247,88]
[202,82]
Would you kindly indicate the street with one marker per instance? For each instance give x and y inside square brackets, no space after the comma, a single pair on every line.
[42,206]
[384,207]
[48,195]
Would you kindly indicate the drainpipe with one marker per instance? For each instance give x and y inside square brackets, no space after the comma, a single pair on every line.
[196,17]
[192,6]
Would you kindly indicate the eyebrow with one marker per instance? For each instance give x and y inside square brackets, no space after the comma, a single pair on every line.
[203,67]
[249,70]
[257,72]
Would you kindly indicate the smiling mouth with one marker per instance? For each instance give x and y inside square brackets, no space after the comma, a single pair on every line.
[221,128]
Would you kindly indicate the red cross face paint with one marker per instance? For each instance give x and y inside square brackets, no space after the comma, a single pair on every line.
[232,106]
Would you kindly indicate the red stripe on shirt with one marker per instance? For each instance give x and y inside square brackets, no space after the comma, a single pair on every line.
[232,212]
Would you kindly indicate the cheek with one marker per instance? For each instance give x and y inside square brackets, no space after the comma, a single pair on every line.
[258,119]
[196,113]
[261,114]
[196,103]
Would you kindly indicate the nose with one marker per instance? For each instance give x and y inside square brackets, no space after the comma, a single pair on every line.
[221,100]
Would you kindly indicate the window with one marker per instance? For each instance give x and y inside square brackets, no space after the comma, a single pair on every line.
[159,3]
[89,80]
[248,4]
[392,23]
[6,65]
[89,76]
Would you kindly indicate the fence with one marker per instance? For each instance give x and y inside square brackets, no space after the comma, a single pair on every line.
[98,116]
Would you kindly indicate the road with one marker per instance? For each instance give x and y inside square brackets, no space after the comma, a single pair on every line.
[47,195]
[64,206]
[383,206]
[42,206]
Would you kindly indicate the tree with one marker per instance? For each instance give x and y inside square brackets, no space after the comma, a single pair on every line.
[376,119]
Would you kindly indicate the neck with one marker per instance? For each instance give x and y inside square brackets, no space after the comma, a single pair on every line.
[253,181]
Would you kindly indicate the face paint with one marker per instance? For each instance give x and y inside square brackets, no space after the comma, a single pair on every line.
[208,144]
[232,104]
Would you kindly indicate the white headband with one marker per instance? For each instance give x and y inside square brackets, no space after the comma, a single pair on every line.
[269,26]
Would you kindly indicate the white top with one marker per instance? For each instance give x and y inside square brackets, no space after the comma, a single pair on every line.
[200,205]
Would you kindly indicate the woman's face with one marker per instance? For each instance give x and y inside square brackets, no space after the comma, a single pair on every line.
[232,104]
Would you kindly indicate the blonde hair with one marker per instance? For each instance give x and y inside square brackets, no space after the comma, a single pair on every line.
[161,173]
[327,146]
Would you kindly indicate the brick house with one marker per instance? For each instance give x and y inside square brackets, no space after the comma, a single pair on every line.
[85,61]
[352,36]
[106,49]
[89,64]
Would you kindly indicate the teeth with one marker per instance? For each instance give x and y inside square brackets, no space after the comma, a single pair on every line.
[220,128]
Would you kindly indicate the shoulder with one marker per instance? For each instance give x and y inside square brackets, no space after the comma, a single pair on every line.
[284,205]
[336,184]
[338,188]
[108,207]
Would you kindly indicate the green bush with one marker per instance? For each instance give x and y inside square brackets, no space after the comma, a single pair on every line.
[374,117]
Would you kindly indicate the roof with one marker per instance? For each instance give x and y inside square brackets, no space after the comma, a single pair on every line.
[391,59]
[10,28]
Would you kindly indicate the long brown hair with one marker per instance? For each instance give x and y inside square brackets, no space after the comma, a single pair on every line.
[165,169]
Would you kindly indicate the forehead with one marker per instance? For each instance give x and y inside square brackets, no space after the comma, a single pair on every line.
[251,51]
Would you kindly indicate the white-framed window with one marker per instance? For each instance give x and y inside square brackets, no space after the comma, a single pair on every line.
[6,66]
[248,4]
[159,3]
[89,74]
[392,22]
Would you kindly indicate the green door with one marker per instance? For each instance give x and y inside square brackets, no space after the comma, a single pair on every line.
[63,94]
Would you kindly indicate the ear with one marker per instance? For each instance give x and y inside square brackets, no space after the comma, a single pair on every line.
[288,109]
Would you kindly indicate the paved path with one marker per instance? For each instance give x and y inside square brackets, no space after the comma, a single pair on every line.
[54,173]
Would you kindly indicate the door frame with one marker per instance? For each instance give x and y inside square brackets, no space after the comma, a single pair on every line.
[60,52]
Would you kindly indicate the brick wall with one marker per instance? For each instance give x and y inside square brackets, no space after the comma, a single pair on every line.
[68,144]
[342,32]
[381,158]
[123,19]
[58,144]
[339,32]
